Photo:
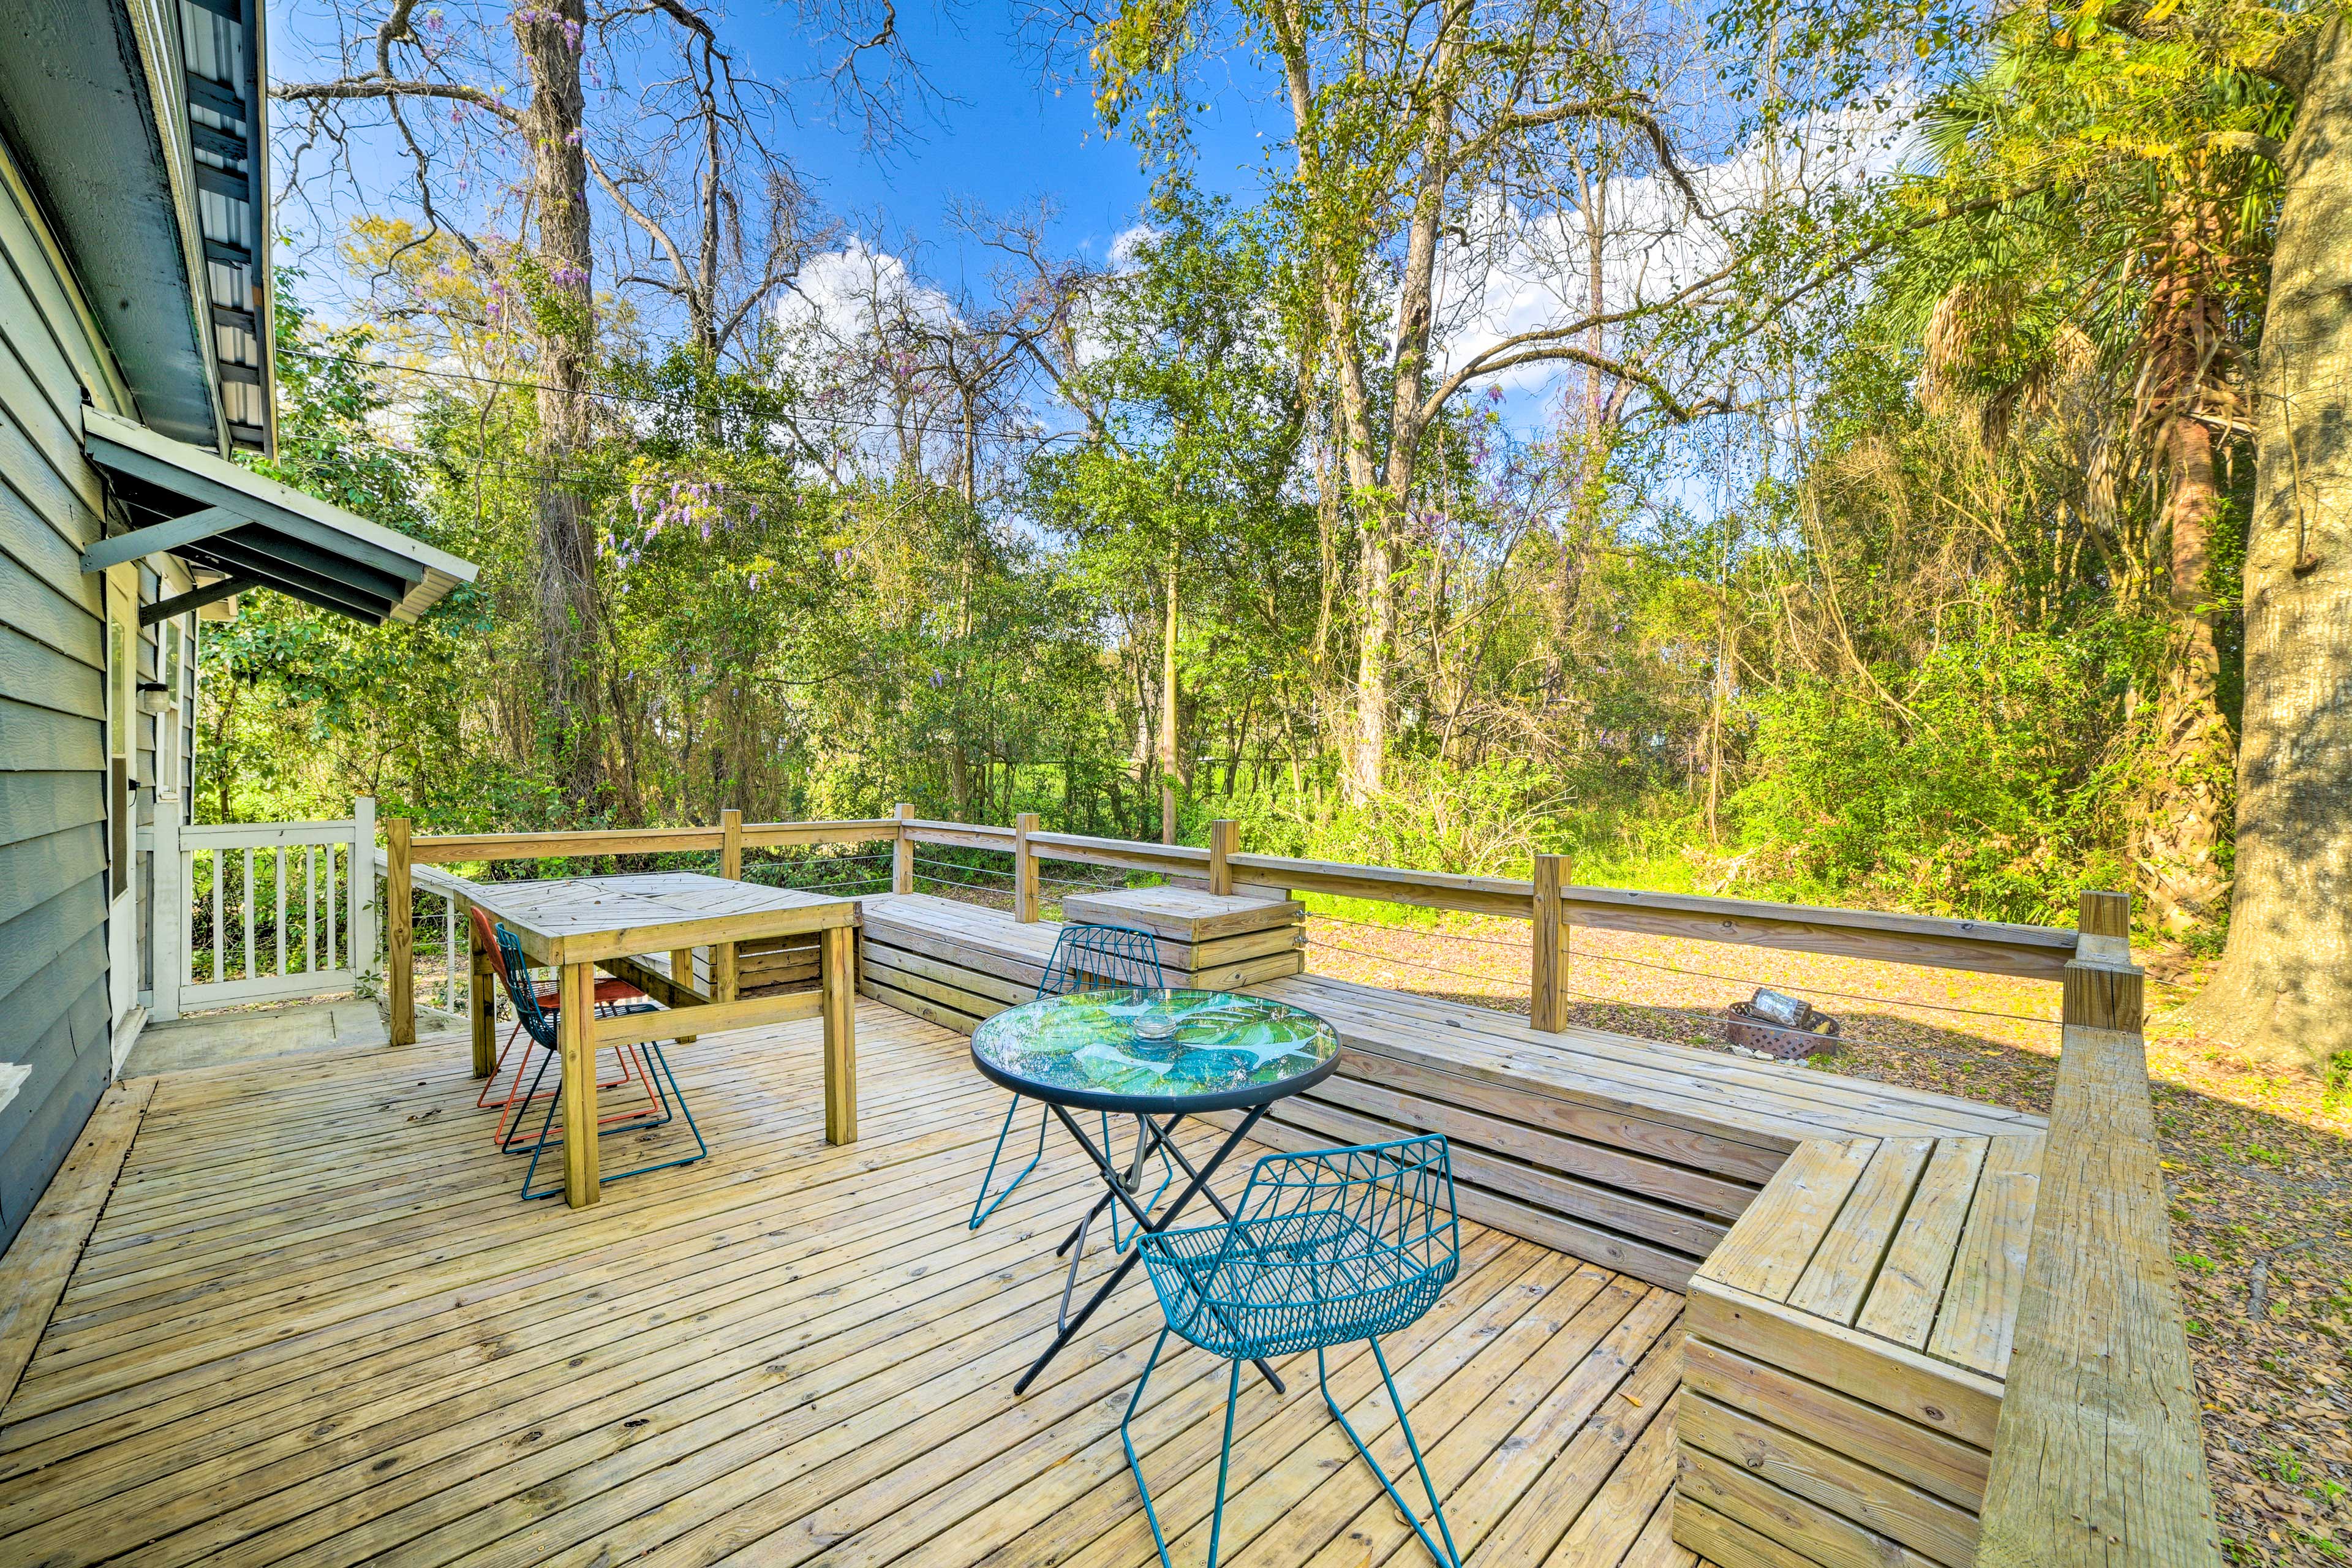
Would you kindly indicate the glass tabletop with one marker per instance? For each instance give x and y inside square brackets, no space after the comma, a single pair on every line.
[1156,1051]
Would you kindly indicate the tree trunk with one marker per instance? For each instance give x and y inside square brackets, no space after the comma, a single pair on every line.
[2176,833]
[2178,824]
[1383,511]
[1168,712]
[549,33]
[2284,988]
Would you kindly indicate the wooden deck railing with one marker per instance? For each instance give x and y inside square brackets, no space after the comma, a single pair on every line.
[1548,899]
[2097,1457]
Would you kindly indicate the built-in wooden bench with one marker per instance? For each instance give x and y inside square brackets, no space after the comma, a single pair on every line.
[1845,1351]
[771,966]
[1625,1152]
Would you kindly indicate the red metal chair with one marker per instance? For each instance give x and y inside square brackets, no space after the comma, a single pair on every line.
[610,996]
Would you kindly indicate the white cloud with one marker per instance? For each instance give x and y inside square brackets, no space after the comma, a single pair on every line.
[1536,269]
[845,295]
[1127,242]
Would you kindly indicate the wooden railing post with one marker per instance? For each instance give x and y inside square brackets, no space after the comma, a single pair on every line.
[2104,989]
[902,852]
[1224,842]
[731,844]
[399,932]
[723,971]
[481,1002]
[1025,867]
[1547,1003]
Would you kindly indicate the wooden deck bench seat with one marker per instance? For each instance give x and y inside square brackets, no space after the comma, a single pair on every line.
[1629,1152]
[1845,1351]
[1624,1151]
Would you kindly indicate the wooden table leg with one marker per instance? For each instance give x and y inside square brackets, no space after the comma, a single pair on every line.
[724,972]
[837,976]
[681,969]
[576,1034]
[481,1003]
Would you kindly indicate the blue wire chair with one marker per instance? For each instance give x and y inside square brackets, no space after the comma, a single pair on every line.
[1324,1248]
[1084,958]
[541,1028]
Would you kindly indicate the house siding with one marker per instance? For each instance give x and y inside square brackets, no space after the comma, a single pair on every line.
[54,1012]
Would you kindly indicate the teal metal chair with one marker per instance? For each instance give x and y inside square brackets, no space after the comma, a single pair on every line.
[539,1025]
[1325,1248]
[1084,958]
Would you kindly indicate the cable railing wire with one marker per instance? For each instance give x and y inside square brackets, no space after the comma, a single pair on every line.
[1797,988]
[1410,963]
[957,881]
[923,859]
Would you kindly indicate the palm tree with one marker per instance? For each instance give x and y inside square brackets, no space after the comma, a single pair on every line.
[2132,221]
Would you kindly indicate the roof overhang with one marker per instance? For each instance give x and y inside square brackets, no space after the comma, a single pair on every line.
[256,533]
[138,126]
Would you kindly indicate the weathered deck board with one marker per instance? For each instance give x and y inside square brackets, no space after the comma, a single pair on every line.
[314,1325]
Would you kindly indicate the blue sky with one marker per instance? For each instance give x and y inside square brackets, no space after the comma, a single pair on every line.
[999,135]
[994,131]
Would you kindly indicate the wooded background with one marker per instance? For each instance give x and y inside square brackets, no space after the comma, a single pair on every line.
[1824,453]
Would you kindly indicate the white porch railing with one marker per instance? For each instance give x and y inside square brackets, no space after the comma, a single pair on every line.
[263,912]
[429,885]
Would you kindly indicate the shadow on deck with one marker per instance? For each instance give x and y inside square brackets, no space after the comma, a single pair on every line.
[313,1324]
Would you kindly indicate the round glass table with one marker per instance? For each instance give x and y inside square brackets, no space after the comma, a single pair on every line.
[1159,1056]
[1155,1052]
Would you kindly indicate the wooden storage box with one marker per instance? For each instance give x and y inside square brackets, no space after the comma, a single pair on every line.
[956,963]
[1207,942]
[1845,1355]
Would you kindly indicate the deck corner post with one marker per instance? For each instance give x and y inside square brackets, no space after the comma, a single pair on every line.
[1547,1004]
[1025,869]
[1224,841]
[2103,914]
[902,851]
[400,932]
[2104,989]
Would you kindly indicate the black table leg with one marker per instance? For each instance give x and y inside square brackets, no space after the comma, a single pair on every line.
[1135,1254]
[1143,1152]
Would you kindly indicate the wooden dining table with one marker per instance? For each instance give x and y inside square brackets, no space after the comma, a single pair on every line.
[580,924]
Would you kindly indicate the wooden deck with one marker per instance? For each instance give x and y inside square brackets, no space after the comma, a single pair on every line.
[314,1325]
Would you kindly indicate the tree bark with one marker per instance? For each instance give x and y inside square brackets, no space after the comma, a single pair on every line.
[2177,829]
[549,35]
[2284,988]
